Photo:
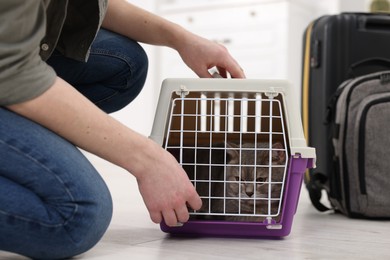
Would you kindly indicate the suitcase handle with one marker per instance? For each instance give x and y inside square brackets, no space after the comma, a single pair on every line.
[375,22]
[366,63]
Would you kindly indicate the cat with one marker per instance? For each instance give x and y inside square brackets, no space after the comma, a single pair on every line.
[256,189]
[230,190]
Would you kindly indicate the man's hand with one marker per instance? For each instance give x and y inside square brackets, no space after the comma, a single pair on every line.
[166,189]
[201,55]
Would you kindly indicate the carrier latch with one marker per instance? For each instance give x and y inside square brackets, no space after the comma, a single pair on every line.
[271,224]
[183,91]
[272,93]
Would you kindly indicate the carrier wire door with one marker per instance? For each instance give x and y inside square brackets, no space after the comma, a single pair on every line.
[233,140]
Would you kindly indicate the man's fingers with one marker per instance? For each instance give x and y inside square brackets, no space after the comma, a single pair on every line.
[156,217]
[195,202]
[182,214]
[170,218]
[235,70]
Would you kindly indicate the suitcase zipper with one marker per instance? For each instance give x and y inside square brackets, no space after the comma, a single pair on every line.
[305,90]
[305,87]
[344,163]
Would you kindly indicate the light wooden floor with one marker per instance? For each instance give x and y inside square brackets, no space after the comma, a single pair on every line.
[314,236]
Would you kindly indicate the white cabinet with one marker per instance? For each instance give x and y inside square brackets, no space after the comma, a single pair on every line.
[265,37]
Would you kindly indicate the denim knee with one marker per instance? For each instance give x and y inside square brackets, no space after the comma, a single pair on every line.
[129,63]
[137,74]
[92,218]
[53,202]
[78,237]
[98,221]
[60,238]
[114,74]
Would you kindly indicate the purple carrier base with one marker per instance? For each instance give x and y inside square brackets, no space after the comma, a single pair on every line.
[250,229]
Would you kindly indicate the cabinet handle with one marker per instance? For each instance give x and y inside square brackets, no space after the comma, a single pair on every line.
[190,19]
[223,41]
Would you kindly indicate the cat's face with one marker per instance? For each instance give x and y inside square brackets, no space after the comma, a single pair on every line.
[253,178]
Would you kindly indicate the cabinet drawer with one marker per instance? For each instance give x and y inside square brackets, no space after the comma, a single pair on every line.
[234,18]
[176,6]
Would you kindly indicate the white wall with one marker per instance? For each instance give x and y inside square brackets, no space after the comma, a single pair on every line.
[354,5]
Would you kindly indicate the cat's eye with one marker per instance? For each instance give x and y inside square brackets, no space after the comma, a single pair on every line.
[261,179]
[237,178]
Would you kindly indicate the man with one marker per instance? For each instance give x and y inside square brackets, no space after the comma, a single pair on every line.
[63,65]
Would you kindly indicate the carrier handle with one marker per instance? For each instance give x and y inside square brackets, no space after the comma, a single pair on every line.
[376,61]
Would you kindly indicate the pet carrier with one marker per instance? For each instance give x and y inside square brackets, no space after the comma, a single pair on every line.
[241,143]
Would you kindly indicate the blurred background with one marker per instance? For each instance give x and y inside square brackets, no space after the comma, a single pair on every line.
[264,36]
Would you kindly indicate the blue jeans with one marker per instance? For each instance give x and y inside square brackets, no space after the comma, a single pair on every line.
[53,202]
[114,74]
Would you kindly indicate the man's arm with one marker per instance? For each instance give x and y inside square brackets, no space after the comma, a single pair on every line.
[163,184]
[198,53]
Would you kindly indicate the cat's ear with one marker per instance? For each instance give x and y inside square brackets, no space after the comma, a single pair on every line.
[232,154]
[278,153]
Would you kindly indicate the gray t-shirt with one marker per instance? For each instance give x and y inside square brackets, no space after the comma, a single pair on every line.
[31,30]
